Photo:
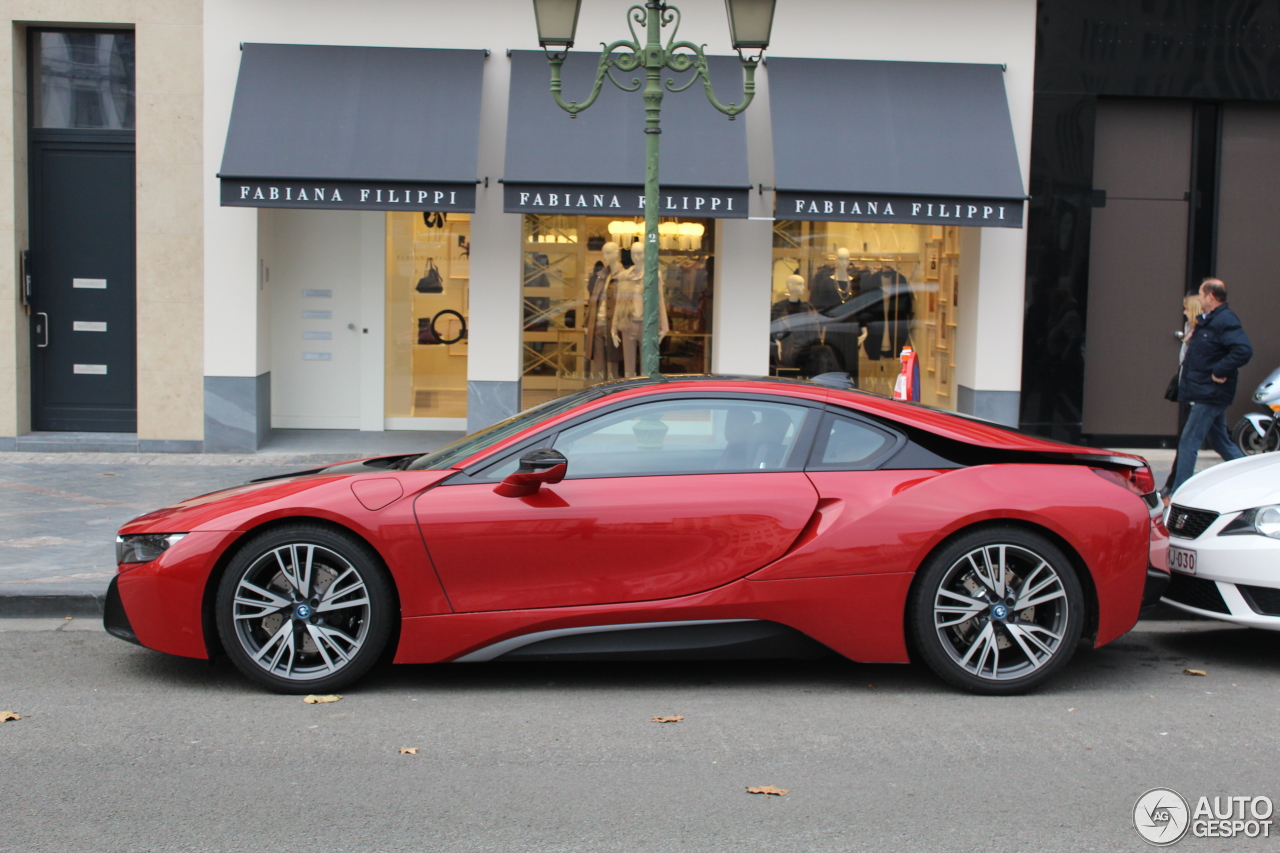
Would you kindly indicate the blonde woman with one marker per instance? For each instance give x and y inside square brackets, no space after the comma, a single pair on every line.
[1191,311]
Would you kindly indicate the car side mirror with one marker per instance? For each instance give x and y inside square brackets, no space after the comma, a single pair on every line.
[536,467]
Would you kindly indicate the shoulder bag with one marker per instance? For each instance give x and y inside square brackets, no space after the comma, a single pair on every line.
[430,282]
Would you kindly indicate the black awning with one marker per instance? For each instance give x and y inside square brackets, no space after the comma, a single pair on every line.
[876,141]
[355,128]
[594,164]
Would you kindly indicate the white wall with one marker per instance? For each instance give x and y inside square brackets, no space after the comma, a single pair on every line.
[231,233]
[984,31]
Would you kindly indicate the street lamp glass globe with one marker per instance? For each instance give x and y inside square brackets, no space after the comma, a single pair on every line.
[557,21]
[750,22]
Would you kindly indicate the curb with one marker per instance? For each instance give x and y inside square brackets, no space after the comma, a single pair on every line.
[30,601]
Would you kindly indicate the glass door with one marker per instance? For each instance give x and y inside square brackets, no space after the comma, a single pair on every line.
[428,279]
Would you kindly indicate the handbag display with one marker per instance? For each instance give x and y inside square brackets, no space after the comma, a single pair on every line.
[431,281]
[429,334]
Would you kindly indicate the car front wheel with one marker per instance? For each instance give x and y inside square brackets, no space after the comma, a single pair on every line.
[997,611]
[304,609]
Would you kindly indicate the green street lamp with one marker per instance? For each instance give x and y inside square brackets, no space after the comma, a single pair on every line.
[750,23]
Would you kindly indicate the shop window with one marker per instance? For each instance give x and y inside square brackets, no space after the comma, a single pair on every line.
[85,80]
[428,273]
[848,296]
[572,276]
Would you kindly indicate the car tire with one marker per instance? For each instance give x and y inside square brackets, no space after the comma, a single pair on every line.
[305,608]
[996,637]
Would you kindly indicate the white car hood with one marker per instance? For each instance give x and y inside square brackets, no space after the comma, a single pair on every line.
[1231,486]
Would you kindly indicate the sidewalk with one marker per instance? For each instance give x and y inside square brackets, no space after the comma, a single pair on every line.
[59,512]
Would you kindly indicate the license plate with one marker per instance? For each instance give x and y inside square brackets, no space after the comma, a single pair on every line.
[1182,560]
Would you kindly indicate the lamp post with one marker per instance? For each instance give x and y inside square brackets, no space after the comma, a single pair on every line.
[750,23]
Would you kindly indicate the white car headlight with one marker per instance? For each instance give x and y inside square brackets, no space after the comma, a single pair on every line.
[144,547]
[1261,520]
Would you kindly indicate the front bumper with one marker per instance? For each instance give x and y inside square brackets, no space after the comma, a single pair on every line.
[114,619]
[1243,604]
[161,604]
[1237,578]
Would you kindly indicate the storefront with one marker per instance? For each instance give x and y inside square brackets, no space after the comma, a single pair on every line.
[481,257]
[1156,164]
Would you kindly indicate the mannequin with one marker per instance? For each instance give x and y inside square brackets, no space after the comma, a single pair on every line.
[602,353]
[628,313]
[794,328]
[835,284]
[841,275]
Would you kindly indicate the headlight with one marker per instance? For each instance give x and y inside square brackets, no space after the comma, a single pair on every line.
[144,547]
[1262,520]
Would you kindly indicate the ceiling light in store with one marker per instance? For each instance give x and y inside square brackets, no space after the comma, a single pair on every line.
[691,235]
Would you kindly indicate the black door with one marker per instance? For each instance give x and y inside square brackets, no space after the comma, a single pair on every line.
[83,326]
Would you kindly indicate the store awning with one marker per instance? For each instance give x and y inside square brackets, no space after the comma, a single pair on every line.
[594,164]
[354,128]
[875,141]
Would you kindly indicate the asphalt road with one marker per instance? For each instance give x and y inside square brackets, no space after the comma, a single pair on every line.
[130,750]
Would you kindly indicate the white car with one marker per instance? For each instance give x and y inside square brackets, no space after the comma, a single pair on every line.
[1224,543]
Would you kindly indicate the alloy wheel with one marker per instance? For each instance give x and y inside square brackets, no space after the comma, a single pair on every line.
[305,608]
[1001,612]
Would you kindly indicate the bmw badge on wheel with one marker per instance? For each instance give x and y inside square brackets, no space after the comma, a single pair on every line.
[1161,816]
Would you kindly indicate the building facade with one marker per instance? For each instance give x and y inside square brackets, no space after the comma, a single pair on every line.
[374,216]
[1155,162]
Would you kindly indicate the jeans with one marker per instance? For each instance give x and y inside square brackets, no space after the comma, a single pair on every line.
[1205,419]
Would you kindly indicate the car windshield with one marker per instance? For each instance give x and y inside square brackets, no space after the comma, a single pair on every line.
[451,454]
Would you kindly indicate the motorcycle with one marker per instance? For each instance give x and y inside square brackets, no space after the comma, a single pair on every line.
[1259,432]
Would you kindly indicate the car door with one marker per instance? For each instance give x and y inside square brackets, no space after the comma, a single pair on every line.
[663,498]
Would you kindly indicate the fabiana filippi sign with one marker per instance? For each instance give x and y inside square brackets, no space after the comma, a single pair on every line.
[348,195]
[977,212]
[624,201]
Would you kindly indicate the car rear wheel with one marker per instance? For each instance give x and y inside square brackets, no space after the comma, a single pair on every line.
[997,611]
[304,609]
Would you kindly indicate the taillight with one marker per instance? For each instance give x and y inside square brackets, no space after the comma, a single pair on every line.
[1144,480]
[1140,481]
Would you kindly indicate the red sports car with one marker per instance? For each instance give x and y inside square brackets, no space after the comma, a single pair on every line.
[689,517]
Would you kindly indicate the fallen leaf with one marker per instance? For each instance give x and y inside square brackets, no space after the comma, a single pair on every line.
[769,790]
[7,716]
[408,750]
[68,618]
[1194,672]
[321,700]
[1069,710]
[672,719]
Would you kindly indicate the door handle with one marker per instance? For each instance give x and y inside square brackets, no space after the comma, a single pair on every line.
[45,329]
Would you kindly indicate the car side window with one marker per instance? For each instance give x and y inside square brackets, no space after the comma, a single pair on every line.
[684,437]
[845,443]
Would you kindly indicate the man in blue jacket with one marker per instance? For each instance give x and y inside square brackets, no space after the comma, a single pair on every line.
[1217,350]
